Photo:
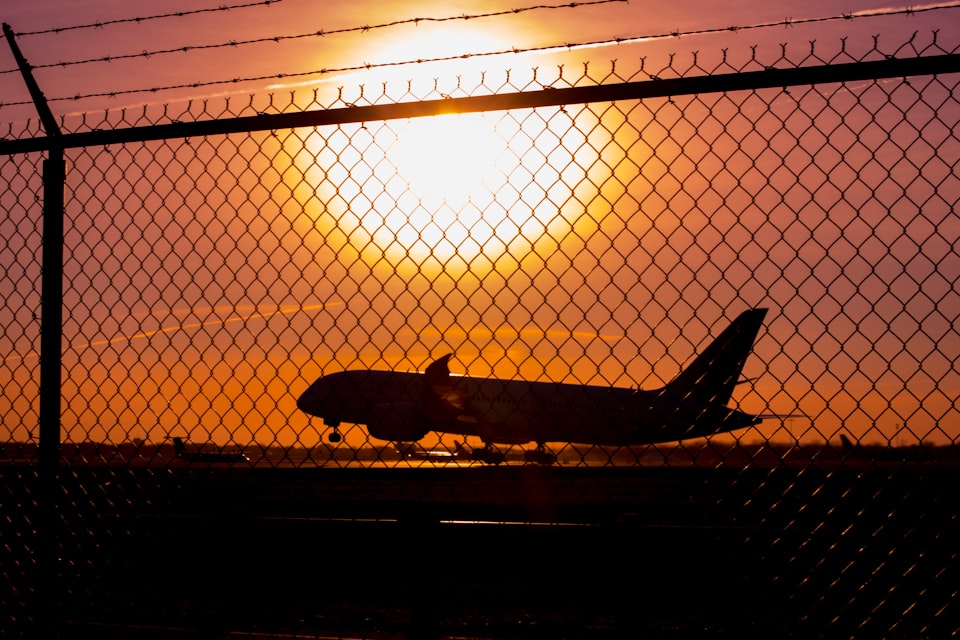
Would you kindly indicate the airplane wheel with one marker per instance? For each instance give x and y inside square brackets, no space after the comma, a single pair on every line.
[334,437]
[537,456]
[489,456]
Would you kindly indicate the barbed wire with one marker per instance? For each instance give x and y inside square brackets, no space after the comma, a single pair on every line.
[320,33]
[570,46]
[140,19]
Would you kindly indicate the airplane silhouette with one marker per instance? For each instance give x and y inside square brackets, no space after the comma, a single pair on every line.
[405,406]
[414,451]
[883,453]
[205,456]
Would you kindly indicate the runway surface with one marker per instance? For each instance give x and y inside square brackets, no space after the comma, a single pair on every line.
[481,552]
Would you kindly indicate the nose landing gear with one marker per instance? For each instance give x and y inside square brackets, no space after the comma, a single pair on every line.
[334,436]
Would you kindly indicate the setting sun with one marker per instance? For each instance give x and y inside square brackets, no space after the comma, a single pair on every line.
[452,192]
[449,160]
[448,177]
[460,189]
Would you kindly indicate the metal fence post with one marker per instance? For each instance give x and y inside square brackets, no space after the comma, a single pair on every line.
[51,325]
[51,330]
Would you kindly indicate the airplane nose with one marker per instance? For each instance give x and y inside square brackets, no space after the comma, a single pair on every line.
[314,398]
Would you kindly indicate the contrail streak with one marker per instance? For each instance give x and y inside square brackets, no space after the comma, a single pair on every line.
[183,326]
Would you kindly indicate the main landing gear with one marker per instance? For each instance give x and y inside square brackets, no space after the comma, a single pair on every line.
[491,455]
[540,455]
[488,454]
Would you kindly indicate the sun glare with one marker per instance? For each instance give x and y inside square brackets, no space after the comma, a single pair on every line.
[450,192]
[449,160]
[448,175]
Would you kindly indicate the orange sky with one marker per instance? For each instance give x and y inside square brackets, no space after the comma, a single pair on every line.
[325,274]
[532,29]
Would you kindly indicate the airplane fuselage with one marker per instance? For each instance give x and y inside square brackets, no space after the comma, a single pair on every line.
[502,411]
[405,406]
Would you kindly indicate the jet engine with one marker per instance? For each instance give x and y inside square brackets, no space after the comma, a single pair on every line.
[397,422]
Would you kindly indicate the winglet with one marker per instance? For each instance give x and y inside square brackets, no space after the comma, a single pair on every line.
[439,371]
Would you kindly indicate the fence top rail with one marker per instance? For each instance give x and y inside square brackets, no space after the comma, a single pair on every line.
[549,97]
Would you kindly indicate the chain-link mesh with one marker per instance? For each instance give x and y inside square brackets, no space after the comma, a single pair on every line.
[20,282]
[209,280]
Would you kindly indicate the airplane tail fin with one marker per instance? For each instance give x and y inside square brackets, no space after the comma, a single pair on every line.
[848,446]
[178,445]
[712,376]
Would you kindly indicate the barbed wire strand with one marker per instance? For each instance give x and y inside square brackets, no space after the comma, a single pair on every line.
[319,33]
[466,56]
[140,19]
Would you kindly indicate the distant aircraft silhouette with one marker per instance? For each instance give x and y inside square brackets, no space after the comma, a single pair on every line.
[403,407]
[882,453]
[205,456]
[413,451]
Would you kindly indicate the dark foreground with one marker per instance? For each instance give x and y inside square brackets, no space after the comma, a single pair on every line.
[479,552]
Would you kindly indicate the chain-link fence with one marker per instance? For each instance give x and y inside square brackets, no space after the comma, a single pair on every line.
[596,230]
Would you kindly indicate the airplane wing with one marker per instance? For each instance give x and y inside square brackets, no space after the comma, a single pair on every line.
[438,383]
[442,400]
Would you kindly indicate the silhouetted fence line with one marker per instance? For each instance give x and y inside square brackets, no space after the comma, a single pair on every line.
[552,97]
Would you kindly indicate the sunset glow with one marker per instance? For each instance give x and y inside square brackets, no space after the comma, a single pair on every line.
[447,178]
[516,238]
[451,192]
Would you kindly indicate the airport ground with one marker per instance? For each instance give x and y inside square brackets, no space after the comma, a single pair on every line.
[512,551]
[695,453]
